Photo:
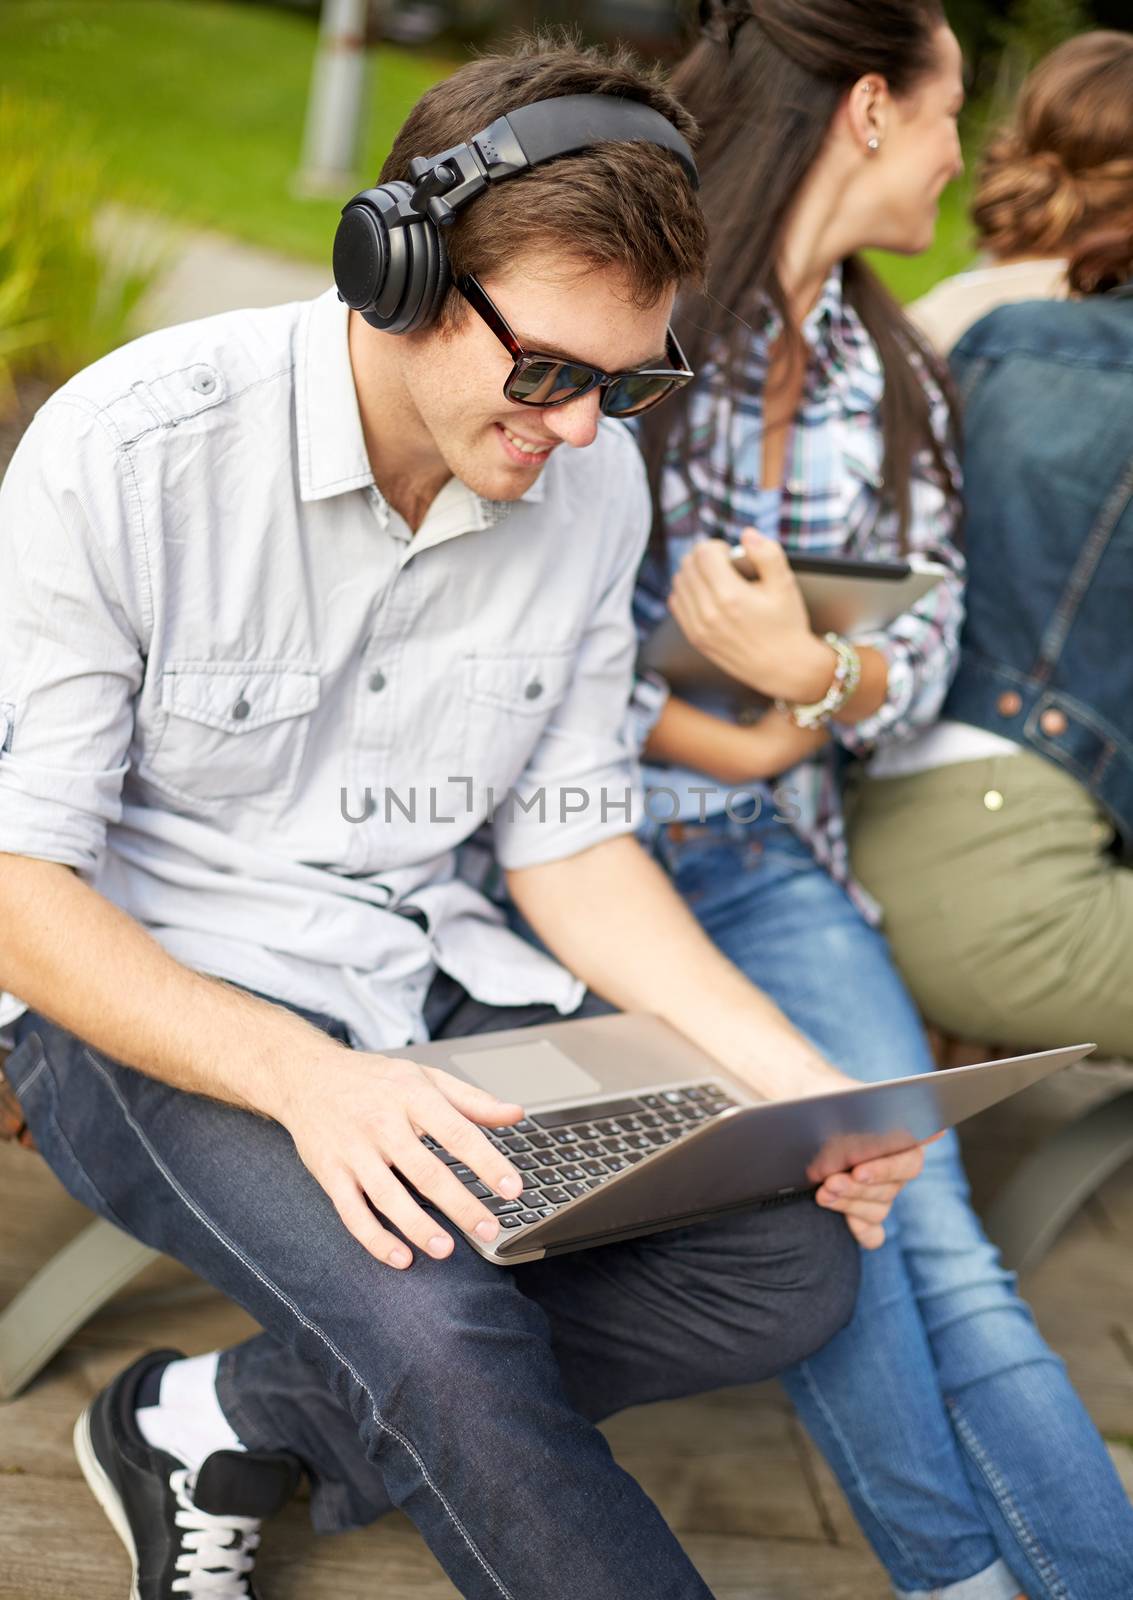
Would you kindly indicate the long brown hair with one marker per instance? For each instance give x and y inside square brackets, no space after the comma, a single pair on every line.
[764,82]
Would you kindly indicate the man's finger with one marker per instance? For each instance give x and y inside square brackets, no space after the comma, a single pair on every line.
[459,1137]
[358,1219]
[472,1102]
[870,1235]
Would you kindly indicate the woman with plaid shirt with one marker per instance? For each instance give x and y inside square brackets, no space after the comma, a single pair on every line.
[821,424]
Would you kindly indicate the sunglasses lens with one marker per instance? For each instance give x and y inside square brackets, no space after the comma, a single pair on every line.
[548,383]
[637,391]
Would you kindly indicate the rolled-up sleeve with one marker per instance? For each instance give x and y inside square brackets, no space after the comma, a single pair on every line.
[920,647]
[583,784]
[72,625]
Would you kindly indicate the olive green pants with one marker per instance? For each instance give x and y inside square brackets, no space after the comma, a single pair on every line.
[1009,918]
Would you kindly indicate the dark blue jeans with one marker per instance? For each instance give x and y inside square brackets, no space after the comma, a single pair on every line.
[461,1392]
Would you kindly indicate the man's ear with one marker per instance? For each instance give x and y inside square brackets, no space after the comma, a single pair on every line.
[866,110]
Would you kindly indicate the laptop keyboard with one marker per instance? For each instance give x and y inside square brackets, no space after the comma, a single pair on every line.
[563,1154]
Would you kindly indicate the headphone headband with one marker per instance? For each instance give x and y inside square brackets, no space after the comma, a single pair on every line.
[390,262]
[532,134]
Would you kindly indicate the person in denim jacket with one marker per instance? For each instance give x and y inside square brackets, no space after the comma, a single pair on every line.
[820,419]
[1000,842]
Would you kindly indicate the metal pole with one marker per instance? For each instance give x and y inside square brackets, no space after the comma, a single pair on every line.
[333,135]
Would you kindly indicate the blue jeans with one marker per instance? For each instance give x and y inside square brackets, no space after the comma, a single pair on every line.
[461,1392]
[952,1427]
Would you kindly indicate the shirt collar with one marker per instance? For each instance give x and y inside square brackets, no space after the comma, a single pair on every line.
[332,447]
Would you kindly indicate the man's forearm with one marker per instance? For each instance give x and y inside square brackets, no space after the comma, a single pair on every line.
[82,962]
[611,916]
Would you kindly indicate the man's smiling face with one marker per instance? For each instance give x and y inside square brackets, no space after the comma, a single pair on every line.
[454,375]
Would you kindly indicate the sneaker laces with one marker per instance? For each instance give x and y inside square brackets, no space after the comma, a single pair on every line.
[217,1553]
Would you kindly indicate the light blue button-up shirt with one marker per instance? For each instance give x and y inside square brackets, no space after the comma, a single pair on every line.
[220,648]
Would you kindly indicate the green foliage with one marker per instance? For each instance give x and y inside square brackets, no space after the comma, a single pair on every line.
[66,297]
[201,104]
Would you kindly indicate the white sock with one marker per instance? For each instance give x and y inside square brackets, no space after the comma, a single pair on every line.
[187,1420]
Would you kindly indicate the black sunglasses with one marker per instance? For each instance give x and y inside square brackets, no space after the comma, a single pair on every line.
[539,380]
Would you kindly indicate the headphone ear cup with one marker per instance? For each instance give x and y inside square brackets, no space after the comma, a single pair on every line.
[394,277]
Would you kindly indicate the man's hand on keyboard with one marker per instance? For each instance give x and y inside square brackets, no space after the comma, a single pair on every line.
[354,1126]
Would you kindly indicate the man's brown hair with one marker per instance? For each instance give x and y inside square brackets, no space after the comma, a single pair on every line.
[626,205]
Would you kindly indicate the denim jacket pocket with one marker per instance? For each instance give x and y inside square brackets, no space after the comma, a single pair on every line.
[232,729]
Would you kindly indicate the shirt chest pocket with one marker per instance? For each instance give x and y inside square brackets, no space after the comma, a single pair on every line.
[509,699]
[231,729]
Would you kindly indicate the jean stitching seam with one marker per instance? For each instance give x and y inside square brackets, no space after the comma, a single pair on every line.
[35,1072]
[807,1377]
[1056,1589]
[311,1327]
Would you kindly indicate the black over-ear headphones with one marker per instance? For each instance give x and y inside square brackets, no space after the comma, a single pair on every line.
[390,261]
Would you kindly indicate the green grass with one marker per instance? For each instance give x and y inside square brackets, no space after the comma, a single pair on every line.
[198,106]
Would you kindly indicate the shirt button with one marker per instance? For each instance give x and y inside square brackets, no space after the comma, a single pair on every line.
[1053,722]
[204,381]
[993,800]
[1009,704]
[534,690]
[241,709]
[377,681]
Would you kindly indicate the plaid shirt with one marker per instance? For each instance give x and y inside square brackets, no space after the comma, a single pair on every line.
[832,505]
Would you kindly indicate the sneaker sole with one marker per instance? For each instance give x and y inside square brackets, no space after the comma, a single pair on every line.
[105,1493]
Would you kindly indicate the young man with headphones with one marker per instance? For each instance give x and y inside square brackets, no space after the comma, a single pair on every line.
[259,568]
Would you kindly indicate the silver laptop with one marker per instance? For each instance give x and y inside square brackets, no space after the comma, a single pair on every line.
[630,1128]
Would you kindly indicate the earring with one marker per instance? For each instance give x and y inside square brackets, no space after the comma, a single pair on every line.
[873,143]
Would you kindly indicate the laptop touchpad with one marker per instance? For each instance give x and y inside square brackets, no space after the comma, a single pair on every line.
[538,1071]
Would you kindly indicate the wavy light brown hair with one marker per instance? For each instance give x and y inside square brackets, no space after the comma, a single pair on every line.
[1058,179]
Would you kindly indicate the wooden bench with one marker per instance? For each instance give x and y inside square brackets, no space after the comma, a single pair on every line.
[68,1290]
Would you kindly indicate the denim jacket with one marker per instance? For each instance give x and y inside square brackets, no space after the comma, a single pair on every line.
[1046,654]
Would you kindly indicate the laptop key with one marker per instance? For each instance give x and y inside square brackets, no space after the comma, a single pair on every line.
[529,1216]
[517,1145]
[500,1208]
[616,1164]
[556,1196]
[564,1136]
[480,1190]
[653,1101]
[509,1222]
[571,1174]
[526,1163]
[674,1097]
[541,1140]
[593,1169]
[587,1113]
[639,1141]
[636,1155]
[575,1189]
[694,1093]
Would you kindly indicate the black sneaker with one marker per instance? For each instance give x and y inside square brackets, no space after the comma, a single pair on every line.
[188,1538]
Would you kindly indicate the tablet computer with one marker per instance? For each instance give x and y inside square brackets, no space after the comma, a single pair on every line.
[842,596]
